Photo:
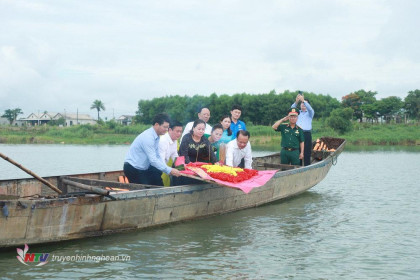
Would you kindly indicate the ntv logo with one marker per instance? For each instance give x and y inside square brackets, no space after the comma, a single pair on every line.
[25,257]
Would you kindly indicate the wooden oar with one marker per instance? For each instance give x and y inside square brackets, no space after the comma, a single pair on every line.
[48,184]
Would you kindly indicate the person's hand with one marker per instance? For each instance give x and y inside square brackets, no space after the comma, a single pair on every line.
[302,98]
[301,156]
[286,118]
[297,99]
[175,172]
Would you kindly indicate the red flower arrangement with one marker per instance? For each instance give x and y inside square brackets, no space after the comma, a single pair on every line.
[236,176]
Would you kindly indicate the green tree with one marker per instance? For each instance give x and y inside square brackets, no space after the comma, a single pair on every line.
[370,111]
[323,105]
[12,114]
[357,99]
[412,104]
[261,109]
[60,121]
[98,105]
[388,107]
[219,106]
[340,120]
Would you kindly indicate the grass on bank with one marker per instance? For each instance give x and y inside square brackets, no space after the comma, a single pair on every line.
[82,134]
[361,134]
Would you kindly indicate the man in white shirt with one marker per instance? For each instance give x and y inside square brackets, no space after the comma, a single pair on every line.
[168,147]
[203,114]
[238,151]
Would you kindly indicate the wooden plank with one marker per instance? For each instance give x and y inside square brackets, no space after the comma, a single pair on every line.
[103,184]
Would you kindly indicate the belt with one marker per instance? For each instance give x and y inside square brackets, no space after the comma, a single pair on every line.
[307,131]
[289,149]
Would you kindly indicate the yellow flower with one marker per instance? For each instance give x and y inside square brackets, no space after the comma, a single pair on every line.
[222,168]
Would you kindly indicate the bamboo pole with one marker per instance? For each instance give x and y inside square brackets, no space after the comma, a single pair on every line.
[48,184]
[86,187]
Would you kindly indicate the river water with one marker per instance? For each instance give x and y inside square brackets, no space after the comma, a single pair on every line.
[361,222]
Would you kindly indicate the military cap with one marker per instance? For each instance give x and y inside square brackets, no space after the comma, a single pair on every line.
[293,111]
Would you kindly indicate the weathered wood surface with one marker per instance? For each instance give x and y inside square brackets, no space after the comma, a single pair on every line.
[46,220]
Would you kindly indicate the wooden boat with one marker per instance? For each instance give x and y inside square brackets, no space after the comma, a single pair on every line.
[32,214]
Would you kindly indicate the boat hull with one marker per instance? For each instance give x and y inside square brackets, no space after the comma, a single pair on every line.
[65,218]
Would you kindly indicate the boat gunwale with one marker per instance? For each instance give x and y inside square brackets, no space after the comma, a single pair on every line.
[259,196]
[133,194]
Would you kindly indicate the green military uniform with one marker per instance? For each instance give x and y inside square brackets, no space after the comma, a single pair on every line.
[290,140]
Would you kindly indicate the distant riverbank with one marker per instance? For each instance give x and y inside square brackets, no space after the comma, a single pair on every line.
[363,134]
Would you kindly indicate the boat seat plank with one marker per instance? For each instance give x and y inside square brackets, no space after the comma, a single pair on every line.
[103,184]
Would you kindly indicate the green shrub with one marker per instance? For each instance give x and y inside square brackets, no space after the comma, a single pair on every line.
[340,120]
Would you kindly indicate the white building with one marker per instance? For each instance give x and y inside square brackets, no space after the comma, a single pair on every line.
[73,119]
[125,119]
[70,118]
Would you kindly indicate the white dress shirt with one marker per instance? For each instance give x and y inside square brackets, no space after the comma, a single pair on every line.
[168,148]
[234,155]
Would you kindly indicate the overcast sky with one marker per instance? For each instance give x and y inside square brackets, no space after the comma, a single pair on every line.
[62,55]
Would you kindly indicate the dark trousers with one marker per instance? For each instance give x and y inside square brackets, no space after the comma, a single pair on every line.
[151,176]
[186,181]
[307,148]
[289,157]
[242,163]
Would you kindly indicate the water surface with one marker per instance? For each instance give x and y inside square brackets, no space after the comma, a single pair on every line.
[361,222]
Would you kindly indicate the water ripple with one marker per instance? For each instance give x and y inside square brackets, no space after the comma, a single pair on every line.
[361,222]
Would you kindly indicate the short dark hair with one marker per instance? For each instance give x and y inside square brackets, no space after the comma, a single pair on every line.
[243,133]
[201,109]
[175,124]
[161,118]
[217,126]
[197,122]
[236,107]
[307,100]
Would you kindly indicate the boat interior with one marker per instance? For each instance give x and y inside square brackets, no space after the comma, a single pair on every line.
[108,183]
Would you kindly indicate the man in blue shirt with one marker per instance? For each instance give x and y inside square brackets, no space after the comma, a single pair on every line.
[305,122]
[236,123]
[143,164]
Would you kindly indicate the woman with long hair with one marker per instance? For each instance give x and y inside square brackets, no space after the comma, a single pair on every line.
[227,136]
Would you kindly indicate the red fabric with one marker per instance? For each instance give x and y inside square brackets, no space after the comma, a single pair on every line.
[246,186]
[256,181]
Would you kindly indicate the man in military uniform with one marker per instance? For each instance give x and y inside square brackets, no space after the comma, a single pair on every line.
[292,138]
